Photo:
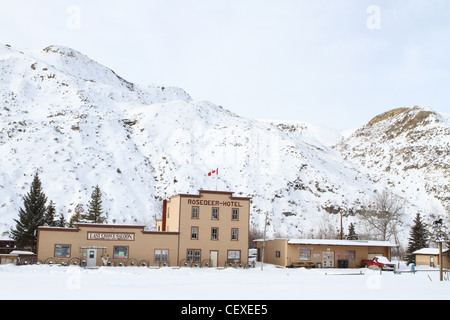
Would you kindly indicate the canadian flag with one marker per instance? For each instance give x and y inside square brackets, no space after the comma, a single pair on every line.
[213,172]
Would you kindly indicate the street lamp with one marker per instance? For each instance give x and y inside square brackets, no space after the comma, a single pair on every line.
[440,238]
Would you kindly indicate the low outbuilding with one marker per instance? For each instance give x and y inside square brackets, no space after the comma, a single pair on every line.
[323,253]
[430,257]
[18,257]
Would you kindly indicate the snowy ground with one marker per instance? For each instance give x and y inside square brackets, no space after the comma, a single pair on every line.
[273,283]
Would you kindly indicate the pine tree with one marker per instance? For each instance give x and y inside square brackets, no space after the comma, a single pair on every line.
[77,216]
[61,222]
[49,216]
[95,210]
[418,239]
[31,216]
[351,232]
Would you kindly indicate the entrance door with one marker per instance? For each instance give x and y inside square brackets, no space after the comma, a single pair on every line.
[91,260]
[328,259]
[214,255]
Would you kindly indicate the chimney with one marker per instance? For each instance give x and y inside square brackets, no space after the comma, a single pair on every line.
[164,211]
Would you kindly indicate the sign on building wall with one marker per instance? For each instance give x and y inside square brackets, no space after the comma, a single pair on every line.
[198,202]
[110,236]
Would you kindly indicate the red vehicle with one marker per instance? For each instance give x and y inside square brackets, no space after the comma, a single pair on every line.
[379,262]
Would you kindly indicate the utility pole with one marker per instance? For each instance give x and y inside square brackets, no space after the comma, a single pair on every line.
[441,277]
[264,242]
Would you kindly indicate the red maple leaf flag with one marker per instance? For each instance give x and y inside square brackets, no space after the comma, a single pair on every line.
[212,172]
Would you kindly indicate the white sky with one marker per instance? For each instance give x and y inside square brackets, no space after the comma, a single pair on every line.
[329,62]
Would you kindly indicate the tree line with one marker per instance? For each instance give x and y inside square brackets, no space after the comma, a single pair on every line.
[36,213]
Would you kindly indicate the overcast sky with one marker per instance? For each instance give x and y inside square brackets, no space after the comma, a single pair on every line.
[337,63]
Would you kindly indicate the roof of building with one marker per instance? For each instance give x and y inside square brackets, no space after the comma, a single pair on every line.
[201,192]
[338,242]
[431,251]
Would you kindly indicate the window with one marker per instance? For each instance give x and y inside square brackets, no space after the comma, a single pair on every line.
[120,252]
[161,255]
[234,255]
[62,251]
[305,255]
[214,233]
[234,234]
[350,255]
[215,213]
[277,254]
[194,213]
[235,214]
[193,255]
[194,233]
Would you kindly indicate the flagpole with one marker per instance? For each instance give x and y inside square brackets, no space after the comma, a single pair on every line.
[216,172]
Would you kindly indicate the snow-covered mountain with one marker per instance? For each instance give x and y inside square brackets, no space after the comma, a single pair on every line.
[79,124]
[312,133]
[409,150]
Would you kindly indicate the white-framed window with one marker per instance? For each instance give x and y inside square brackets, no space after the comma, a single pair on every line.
[235,214]
[234,234]
[161,255]
[214,233]
[234,255]
[215,214]
[194,213]
[193,255]
[194,233]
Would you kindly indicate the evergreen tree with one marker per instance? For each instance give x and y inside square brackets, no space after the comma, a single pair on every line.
[418,238]
[61,222]
[351,232]
[49,216]
[77,217]
[31,216]
[95,210]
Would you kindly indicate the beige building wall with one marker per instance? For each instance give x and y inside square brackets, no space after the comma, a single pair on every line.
[280,252]
[140,245]
[433,260]
[270,252]
[213,225]
[172,214]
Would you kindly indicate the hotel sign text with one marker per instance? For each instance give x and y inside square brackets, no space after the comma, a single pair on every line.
[110,236]
[198,202]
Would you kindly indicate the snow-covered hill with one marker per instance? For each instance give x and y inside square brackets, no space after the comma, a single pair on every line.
[312,133]
[79,124]
[409,150]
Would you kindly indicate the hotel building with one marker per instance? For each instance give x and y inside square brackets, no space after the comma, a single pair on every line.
[207,229]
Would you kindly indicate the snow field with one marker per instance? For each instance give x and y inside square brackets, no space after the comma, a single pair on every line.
[44,282]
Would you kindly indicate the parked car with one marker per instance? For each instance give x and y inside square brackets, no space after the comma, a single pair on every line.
[379,262]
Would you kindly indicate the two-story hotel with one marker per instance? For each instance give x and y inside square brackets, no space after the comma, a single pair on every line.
[211,228]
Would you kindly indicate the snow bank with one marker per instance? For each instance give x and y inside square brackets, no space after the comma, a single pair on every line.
[273,283]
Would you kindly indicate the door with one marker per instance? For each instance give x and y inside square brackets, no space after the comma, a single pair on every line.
[328,259]
[214,255]
[91,260]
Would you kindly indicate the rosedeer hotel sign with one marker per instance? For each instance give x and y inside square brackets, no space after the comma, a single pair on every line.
[215,203]
[110,236]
